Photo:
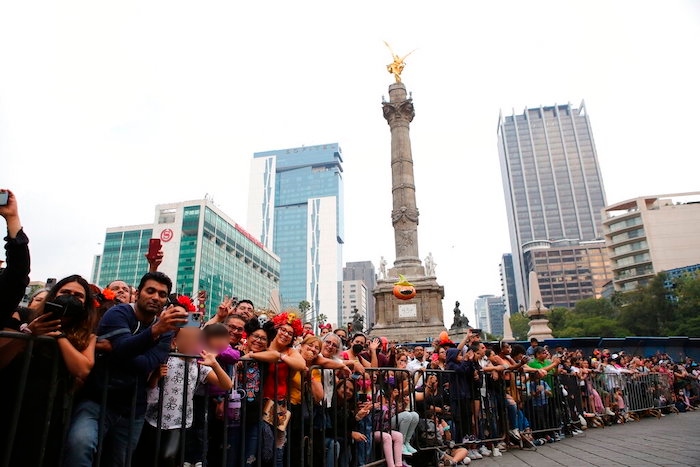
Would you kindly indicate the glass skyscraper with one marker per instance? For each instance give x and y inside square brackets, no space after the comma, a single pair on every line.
[508,292]
[552,183]
[489,311]
[123,255]
[296,209]
[203,250]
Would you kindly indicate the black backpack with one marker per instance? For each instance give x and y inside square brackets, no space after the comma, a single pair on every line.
[426,434]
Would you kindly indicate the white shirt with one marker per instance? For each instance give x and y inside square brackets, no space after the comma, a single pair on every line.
[173,391]
[415,365]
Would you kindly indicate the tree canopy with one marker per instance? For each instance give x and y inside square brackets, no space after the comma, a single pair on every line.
[651,310]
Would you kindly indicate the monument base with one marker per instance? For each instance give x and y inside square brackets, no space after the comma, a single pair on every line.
[539,329]
[412,320]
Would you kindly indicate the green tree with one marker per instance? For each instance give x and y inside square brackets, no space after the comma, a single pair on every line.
[322,318]
[590,307]
[304,306]
[557,319]
[519,325]
[590,317]
[687,294]
[647,311]
[493,337]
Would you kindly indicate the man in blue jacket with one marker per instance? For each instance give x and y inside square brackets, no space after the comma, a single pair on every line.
[114,395]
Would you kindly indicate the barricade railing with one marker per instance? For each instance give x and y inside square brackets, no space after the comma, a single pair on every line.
[27,403]
[434,409]
[541,401]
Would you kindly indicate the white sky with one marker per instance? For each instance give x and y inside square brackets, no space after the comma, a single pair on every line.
[108,108]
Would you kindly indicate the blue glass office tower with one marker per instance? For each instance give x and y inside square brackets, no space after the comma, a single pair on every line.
[296,209]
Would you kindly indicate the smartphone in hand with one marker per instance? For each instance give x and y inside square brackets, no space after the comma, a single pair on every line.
[154,247]
[194,320]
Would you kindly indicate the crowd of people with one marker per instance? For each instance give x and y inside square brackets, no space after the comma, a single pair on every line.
[124,375]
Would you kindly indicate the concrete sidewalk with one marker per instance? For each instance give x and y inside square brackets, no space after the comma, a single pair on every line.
[671,440]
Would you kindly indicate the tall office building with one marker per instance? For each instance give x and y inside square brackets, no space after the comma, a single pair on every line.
[651,234]
[569,273]
[203,249]
[481,313]
[364,271]
[489,311]
[356,297]
[296,209]
[552,183]
[508,292]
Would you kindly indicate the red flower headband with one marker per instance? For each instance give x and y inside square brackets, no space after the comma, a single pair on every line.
[103,296]
[290,319]
[186,303]
[108,294]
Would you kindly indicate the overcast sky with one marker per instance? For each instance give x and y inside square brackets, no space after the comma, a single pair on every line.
[107,109]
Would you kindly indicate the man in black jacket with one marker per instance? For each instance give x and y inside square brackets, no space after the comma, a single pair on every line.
[15,277]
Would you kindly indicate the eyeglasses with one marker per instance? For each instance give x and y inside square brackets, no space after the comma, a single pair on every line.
[286,332]
[231,327]
[258,338]
[331,344]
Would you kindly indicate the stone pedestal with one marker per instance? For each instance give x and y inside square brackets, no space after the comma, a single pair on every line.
[409,320]
[539,324]
[539,329]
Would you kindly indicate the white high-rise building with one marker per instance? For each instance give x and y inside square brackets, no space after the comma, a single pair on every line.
[296,209]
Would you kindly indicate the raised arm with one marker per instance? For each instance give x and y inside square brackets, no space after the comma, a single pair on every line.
[218,377]
[15,277]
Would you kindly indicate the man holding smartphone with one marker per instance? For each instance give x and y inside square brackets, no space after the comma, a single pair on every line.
[139,335]
[15,278]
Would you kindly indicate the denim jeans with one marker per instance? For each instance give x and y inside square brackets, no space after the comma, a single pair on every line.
[363,449]
[82,440]
[249,443]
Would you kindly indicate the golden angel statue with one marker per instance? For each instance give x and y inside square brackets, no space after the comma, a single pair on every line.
[396,67]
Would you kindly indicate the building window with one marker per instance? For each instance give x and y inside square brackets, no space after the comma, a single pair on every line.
[166,216]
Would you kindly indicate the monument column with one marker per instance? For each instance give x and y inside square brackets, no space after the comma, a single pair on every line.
[420,317]
[399,113]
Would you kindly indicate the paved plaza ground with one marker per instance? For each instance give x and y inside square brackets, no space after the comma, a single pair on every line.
[671,440]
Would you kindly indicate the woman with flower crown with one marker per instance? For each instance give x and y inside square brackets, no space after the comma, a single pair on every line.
[284,362]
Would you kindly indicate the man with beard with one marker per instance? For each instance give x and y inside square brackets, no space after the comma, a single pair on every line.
[140,336]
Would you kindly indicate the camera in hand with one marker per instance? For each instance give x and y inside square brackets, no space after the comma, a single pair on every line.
[64,307]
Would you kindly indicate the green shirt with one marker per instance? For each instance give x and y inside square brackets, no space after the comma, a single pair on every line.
[536,364]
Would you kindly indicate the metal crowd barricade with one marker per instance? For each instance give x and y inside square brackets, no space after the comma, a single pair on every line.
[19,396]
[318,433]
[542,402]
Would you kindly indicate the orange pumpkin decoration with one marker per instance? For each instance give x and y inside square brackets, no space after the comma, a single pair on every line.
[404,290]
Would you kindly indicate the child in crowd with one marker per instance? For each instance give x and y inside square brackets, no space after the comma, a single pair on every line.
[216,341]
[177,370]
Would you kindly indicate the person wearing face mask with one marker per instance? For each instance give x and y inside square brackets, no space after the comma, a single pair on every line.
[67,316]
[357,346]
